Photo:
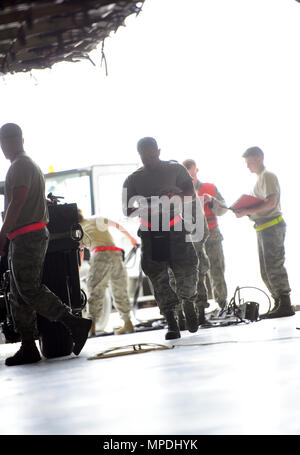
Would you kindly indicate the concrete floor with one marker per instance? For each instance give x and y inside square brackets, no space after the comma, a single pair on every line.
[236,380]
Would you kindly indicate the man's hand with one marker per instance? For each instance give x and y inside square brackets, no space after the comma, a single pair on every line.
[264,207]
[133,242]
[207,198]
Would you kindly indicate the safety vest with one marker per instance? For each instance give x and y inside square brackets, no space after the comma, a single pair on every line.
[209,188]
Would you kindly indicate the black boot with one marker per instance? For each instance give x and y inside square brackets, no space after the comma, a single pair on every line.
[283,309]
[190,316]
[201,315]
[79,329]
[181,320]
[173,329]
[28,353]
[222,304]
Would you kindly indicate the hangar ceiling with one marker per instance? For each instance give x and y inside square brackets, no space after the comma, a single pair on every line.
[38,34]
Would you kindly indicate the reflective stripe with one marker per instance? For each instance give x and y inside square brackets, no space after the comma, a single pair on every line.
[171,223]
[175,220]
[212,221]
[145,223]
[106,248]
[211,218]
[25,229]
[269,224]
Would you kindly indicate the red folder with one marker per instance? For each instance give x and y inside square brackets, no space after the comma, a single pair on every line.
[246,201]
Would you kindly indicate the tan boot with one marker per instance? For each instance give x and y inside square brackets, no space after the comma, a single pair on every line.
[284,308]
[127,328]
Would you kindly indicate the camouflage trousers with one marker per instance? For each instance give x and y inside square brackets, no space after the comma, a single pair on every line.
[182,263]
[28,295]
[204,265]
[216,273]
[107,269]
[271,258]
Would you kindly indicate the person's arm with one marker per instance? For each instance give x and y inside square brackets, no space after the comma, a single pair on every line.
[216,203]
[136,206]
[130,205]
[118,226]
[184,185]
[187,191]
[19,197]
[185,182]
[266,206]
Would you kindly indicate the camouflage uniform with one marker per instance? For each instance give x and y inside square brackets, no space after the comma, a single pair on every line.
[28,295]
[107,268]
[215,277]
[183,264]
[271,258]
[181,258]
[271,239]
[214,251]
[204,267]
[29,239]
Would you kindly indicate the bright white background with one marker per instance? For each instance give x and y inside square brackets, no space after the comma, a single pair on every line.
[206,78]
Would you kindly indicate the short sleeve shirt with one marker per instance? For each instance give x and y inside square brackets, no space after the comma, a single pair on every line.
[267,184]
[96,233]
[168,176]
[25,172]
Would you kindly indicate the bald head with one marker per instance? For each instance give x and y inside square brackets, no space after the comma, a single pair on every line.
[11,140]
[149,152]
[10,131]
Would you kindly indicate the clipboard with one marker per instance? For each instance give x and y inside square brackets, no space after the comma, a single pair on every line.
[245,201]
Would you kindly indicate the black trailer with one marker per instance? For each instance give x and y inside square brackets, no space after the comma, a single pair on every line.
[61,276]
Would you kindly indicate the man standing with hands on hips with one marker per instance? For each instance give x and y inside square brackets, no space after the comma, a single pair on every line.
[25,225]
[270,229]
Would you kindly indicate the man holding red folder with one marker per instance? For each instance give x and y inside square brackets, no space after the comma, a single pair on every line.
[270,228]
